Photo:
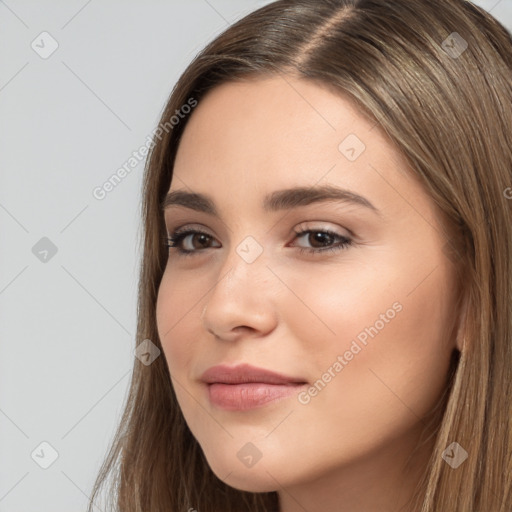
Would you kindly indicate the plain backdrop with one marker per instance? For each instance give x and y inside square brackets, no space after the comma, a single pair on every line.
[82,86]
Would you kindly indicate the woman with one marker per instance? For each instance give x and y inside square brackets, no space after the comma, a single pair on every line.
[327,269]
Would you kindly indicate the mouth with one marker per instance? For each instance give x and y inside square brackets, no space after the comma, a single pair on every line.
[245,387]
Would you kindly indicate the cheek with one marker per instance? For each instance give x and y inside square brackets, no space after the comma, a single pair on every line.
[373,345]
[176,319]
[335,309]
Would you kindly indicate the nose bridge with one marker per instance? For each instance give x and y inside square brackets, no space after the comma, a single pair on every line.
[245,264]
[242,294]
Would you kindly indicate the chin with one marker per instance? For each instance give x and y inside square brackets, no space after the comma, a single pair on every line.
[249,479]
[251,482]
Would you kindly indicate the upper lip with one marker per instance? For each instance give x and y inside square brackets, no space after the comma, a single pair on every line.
[244,373]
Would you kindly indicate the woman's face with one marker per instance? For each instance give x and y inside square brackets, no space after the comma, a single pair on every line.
[357,309]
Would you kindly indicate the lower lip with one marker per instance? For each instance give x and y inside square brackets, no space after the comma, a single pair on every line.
[241,397]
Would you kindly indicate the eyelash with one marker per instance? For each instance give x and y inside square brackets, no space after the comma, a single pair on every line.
[176,238]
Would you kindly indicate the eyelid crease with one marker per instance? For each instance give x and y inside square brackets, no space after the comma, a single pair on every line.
[304,225]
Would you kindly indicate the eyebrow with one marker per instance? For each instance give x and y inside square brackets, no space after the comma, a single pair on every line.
[276,201]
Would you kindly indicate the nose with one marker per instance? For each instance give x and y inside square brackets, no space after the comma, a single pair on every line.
[242,301]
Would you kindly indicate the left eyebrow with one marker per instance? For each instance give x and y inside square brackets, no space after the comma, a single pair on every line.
[286,199]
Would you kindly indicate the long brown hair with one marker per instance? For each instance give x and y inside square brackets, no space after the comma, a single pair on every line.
[436,77]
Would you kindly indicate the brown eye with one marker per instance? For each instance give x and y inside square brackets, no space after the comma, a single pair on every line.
[175,241]
[324,238]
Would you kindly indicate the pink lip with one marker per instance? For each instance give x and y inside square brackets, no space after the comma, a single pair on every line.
[245,387]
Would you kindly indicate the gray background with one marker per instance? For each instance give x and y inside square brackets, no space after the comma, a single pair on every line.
[68,318]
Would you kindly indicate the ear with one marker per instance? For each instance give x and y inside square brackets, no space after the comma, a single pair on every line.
[460,325]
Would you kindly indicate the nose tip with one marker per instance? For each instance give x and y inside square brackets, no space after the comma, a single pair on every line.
[234,310]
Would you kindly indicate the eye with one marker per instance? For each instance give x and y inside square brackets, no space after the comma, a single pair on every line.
[182,237]
[175,240]
[323,237]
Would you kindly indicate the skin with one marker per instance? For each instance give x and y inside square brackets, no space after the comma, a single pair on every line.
[294,313]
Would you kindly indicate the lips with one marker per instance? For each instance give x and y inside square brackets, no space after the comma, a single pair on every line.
[244,373]
[244,387]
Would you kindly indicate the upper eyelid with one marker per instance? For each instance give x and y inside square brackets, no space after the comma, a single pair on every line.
[302,226]
[190,229]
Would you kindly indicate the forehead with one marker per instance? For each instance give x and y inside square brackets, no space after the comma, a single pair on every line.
[278,116]
[246,139]
[280,122]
